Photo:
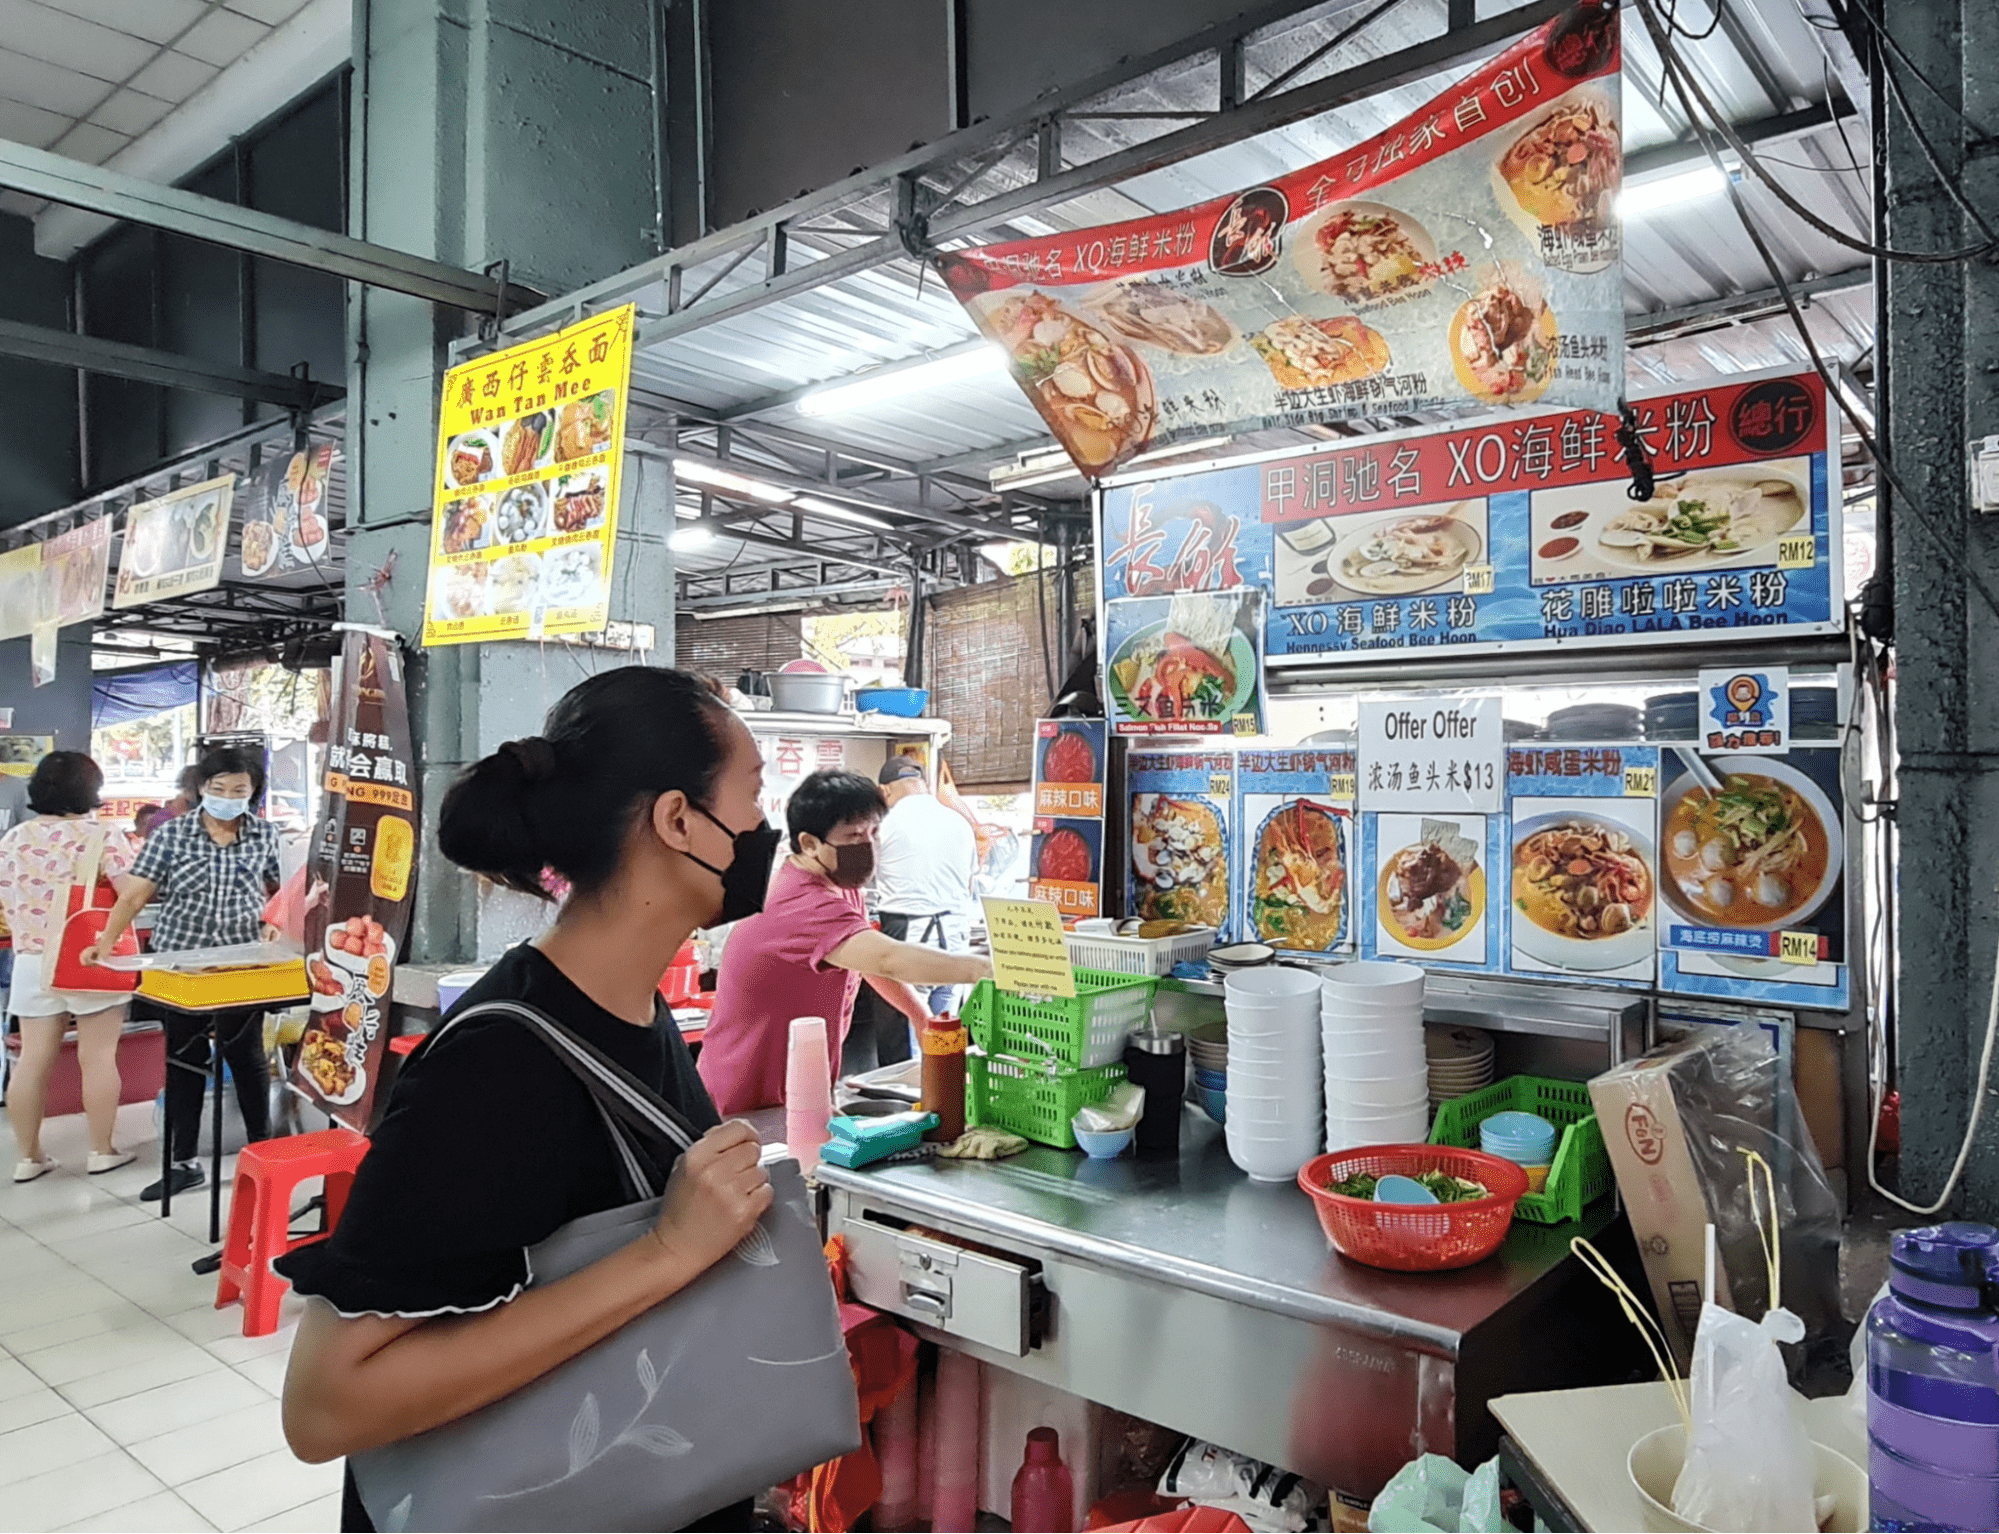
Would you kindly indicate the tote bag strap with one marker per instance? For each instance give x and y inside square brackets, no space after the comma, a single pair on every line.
[632,1112]
[83,872]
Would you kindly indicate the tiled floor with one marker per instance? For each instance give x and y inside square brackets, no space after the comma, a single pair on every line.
[127,1400]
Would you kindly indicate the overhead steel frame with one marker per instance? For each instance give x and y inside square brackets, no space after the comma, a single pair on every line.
[116,359]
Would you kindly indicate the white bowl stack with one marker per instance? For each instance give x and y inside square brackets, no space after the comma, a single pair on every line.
[1376,1077]
[1460,1062]
[1275,1115]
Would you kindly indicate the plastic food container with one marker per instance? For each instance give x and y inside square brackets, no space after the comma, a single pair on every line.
[1411,1239]
[902,702]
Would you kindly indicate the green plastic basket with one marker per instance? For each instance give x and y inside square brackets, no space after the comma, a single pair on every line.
[1086,1030]
[1034,1097]
[1580,1173]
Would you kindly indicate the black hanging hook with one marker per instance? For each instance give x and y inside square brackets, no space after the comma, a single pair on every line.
[1636,458]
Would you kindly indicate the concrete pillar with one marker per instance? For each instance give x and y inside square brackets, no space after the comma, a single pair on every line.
[485,130]
[1941,354]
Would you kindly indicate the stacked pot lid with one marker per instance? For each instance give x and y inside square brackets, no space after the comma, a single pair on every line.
[1460,1062]
[1376,1073]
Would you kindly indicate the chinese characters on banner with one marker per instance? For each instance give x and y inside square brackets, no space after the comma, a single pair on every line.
[1070,762]
[1516,534]
[174,545]
[530,441]
[363,865]
[1296,812]
[1467,255]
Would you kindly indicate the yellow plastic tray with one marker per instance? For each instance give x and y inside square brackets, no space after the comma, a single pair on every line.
[245,985]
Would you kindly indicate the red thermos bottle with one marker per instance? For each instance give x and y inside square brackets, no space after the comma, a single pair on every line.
[1043,1494]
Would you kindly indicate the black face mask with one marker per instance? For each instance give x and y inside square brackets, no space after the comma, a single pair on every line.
[748,873]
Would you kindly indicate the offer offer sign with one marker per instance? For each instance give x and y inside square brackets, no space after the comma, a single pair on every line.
[1746,710]
[1433,753]
[1030,957]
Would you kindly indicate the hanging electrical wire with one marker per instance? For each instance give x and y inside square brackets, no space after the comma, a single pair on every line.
[1894,46]
[1677,73]
[1685,84]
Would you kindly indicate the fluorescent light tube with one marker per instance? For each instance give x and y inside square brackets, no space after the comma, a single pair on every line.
[1641,198]
[897,379]
[716,478]
[696,535]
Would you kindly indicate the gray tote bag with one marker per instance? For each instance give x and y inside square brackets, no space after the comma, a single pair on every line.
[734,1384]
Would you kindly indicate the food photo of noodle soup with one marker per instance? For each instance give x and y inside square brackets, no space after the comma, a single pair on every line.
[1761,853]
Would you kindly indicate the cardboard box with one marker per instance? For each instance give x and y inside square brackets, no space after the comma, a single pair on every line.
[238,986]
[1647,1141]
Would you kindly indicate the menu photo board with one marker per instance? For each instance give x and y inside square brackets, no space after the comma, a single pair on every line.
[20,590]
[1182,838]
[284,515]
[75,566]
[1071,762]
[1583,864]
[1468,254]
[173,545]
[1515,534]
[1753,877]
[1190,664]
[1431,891]
[1295,810]
[530,444]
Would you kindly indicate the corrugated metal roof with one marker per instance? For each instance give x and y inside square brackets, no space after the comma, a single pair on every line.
[1760,62]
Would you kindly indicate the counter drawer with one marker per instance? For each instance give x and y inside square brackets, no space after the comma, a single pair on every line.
[967,1294]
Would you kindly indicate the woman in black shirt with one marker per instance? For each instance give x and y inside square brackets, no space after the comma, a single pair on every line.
[643,794]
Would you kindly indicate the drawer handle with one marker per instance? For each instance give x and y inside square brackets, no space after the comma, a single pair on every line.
[925,1303]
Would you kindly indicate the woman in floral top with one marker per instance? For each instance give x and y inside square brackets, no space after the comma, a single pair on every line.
[38,862]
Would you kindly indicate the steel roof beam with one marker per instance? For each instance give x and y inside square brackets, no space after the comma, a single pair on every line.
[115,359]
[98,189]
[1758,133]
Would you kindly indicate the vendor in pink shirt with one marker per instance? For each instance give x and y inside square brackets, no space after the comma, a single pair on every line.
[806,954]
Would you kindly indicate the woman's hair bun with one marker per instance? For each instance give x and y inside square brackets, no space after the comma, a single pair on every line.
[566,799]
[534,755]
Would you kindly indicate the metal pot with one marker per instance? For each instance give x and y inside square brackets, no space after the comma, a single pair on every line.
[808,692]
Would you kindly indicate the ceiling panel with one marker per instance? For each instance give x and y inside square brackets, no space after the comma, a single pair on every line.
[131,112]
[60,38]
[173,76]
[221,37]
[158,21]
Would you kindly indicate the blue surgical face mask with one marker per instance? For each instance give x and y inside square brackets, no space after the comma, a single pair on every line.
[223,809]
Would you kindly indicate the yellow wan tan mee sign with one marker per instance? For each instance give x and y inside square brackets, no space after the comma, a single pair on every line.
[529,445]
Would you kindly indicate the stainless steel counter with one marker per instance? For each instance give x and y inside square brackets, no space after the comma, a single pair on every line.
[1185,1293]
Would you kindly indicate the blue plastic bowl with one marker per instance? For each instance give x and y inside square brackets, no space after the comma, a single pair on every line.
[1214,1102]
[903,702]
[1207,1078]
[1101,1147]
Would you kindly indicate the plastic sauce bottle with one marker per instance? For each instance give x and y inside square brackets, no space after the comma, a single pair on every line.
[1043,1493]
[943,1040]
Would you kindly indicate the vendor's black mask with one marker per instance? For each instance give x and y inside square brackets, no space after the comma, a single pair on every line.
[748,873]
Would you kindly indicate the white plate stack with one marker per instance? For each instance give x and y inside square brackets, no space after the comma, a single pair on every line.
[1275,1115]
[1460,1062]
[1377,1080]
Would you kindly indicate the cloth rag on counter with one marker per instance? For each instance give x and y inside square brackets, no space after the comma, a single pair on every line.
[983,1144]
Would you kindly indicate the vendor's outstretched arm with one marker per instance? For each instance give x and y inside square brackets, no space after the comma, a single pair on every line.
[902,997]
[871,954]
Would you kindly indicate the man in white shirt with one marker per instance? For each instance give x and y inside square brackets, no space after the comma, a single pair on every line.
[926,855]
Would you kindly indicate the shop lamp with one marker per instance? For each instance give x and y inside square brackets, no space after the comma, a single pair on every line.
[1645,197]
[702,473]
[696,535]
[821,508]
[899,378]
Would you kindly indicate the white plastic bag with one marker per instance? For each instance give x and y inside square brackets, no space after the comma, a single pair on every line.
[1749,1463]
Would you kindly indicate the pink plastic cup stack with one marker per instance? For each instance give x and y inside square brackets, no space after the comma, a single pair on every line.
[808,1091]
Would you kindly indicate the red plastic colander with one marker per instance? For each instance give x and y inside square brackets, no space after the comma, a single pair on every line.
[1413,1238]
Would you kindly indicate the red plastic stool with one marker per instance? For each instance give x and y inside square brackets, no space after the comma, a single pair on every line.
[260,1215]
[404,1044]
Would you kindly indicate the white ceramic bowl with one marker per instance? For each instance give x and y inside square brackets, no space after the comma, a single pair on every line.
[1654,1465]
[1396,1092]
[1378,978]
[1271,982]
[1270,1160]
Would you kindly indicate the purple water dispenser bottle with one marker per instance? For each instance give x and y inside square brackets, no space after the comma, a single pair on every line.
[1933,1384]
